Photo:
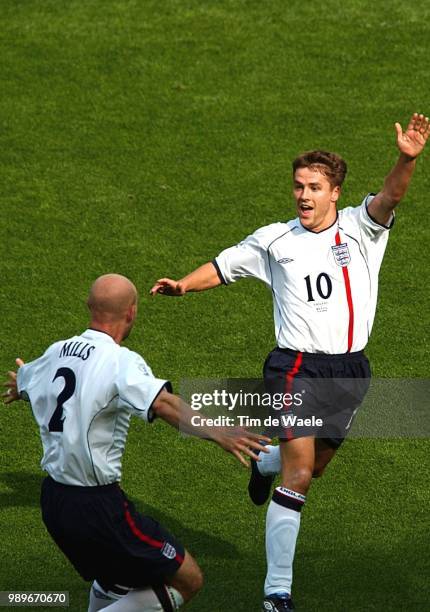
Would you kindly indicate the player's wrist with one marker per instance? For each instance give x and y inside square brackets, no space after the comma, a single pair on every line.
[212,435]
[181,287]
[405,158]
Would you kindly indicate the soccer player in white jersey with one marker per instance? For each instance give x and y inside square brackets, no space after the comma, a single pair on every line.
[83,391]
[322,268]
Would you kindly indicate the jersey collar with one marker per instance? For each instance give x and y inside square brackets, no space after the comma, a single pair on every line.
[323,230]
[94,334]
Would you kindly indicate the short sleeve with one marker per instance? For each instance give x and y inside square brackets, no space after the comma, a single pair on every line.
[137,386]
[28,374]
[23,378]
[249,258]
[370,225]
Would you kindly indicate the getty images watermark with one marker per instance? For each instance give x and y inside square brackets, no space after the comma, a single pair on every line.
[229,401]
[380,408]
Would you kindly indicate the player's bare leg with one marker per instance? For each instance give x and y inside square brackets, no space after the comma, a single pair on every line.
[297,463]
[283,520]
[186,583]
[324,453]
[188,580]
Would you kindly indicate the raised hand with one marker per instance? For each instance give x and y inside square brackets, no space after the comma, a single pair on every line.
[412,141]
[167,286]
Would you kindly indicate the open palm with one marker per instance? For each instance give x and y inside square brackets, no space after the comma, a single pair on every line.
[412,141]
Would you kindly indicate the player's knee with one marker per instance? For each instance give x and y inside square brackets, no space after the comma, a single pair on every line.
[299,479]
[193,585]
[188,580]
[197,581]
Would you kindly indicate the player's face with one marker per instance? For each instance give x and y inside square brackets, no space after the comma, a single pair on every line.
[315,199]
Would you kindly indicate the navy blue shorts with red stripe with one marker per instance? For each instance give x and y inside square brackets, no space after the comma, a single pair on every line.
[106,538]
[320,393]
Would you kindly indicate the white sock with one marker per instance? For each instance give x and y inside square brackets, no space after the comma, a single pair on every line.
[270,463]
[175,597]
[99,598]
[282,528]
[145,600]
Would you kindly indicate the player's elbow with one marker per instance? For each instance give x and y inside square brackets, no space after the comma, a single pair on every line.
[391,197]
[163,406]
[393,201]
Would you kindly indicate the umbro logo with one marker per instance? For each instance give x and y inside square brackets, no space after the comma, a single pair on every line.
[285,260]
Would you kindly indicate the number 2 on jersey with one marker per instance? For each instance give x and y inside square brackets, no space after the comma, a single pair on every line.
[56,422]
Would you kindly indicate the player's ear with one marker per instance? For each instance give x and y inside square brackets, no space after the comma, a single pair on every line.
[131,312]
[335,194]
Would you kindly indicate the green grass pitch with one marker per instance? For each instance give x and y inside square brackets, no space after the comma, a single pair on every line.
[143,137]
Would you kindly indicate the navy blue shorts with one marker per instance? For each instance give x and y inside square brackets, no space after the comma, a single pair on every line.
[320,393]
[105,538]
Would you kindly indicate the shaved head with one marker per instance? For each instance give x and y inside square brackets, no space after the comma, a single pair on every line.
[111,297]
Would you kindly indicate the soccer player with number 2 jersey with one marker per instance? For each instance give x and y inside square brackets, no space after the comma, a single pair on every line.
[322,268]
[83,391]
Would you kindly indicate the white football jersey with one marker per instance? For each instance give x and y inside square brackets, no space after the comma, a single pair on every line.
[82,392]
[324,285]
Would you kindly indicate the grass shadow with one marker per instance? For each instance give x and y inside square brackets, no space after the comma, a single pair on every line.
[23,490]
[198,541]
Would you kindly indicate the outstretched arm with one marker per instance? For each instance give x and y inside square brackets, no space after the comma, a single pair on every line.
[410,144]
[205,277]
[234,440]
